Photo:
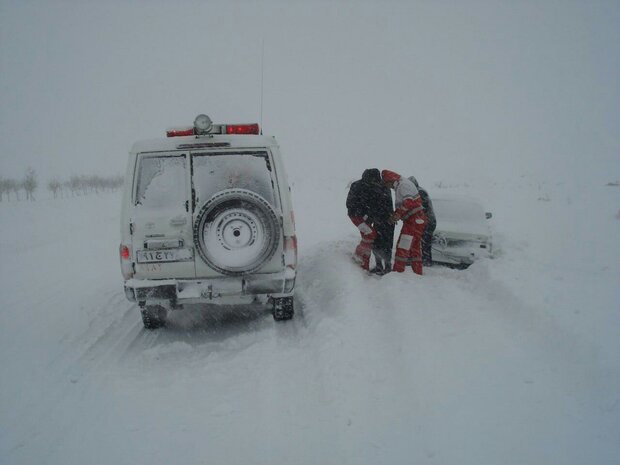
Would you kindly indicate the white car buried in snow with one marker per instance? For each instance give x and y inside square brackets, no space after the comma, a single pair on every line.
[462,234]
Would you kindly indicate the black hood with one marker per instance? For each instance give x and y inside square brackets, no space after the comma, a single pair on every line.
[371,176]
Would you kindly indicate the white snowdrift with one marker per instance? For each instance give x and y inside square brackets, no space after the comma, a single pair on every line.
[515,360]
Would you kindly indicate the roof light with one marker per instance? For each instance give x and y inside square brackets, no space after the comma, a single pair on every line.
[242,129]
[202,124]
[178,132]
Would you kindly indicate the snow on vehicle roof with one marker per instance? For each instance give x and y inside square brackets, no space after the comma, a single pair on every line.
[461,208]
[165,144]
[457,213]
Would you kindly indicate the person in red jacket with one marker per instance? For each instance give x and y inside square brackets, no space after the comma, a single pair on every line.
[408,209]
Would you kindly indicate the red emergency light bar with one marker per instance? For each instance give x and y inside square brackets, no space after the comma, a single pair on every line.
[231,129]
[178,132]
[242,129]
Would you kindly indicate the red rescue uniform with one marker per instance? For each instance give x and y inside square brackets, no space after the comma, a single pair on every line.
[409,210]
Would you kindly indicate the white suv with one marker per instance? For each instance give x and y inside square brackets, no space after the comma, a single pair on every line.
[207,217]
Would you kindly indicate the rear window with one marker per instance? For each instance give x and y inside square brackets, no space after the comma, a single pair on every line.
[161,181]
[214,172]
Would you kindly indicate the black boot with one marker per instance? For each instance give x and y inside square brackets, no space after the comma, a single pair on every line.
[383,267]
[378,269]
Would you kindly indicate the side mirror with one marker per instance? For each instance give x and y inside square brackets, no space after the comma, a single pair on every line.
[489,215]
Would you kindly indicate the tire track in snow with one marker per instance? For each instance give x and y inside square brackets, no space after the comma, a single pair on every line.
[74,362]
[372,378]
[107,344]
[301,368]
[534,329]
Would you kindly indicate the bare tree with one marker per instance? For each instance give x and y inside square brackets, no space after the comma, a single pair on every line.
[7,186]
[30,183]
[13,186]
[54,186]
[74,184]
[95,183]
[84,184]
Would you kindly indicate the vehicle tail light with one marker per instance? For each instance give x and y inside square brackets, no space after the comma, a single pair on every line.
[126,265]
[242,129]
[178,132]
[290,251]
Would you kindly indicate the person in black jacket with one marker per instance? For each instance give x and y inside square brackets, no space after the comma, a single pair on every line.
[369,206]
[427,237]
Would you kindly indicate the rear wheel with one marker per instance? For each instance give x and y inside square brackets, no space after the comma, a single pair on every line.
[153,316]
[283,308]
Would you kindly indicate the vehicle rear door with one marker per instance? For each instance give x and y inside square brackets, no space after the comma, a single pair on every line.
[161,220]
[243,232]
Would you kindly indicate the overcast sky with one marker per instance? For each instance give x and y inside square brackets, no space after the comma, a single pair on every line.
[441,89]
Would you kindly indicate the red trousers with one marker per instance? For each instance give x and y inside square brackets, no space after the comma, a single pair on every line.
[409,246]
[364,248]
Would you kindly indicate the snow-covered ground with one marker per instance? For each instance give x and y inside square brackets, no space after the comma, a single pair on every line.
[515,360]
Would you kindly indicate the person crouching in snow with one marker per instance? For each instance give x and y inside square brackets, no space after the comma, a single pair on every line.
[408,209]
[369,206]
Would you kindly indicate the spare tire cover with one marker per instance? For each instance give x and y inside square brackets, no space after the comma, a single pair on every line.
[236,231]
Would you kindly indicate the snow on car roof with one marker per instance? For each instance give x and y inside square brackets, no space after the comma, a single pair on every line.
[165,144]
[458,208]
[460,214]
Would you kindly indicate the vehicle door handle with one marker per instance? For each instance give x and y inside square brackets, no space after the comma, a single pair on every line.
[178,221]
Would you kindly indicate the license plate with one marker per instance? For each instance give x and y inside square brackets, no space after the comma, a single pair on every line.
[168,255]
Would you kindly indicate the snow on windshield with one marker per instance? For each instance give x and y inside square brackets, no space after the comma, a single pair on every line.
[217,172]
[161,181]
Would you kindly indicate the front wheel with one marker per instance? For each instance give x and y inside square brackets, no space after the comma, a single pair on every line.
[283,308]
[153,316]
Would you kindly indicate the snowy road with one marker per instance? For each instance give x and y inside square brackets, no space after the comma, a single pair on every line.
[507,362]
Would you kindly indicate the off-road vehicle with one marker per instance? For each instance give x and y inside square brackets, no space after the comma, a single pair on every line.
[207,218]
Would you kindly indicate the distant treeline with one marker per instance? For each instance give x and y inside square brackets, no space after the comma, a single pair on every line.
[11,189]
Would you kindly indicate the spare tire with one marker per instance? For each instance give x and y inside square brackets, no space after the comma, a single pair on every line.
[236,232]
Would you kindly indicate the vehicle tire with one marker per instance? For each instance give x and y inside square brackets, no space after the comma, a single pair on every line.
[454,266]
[283,308]
[236,232]
[462,266]
[153,316]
